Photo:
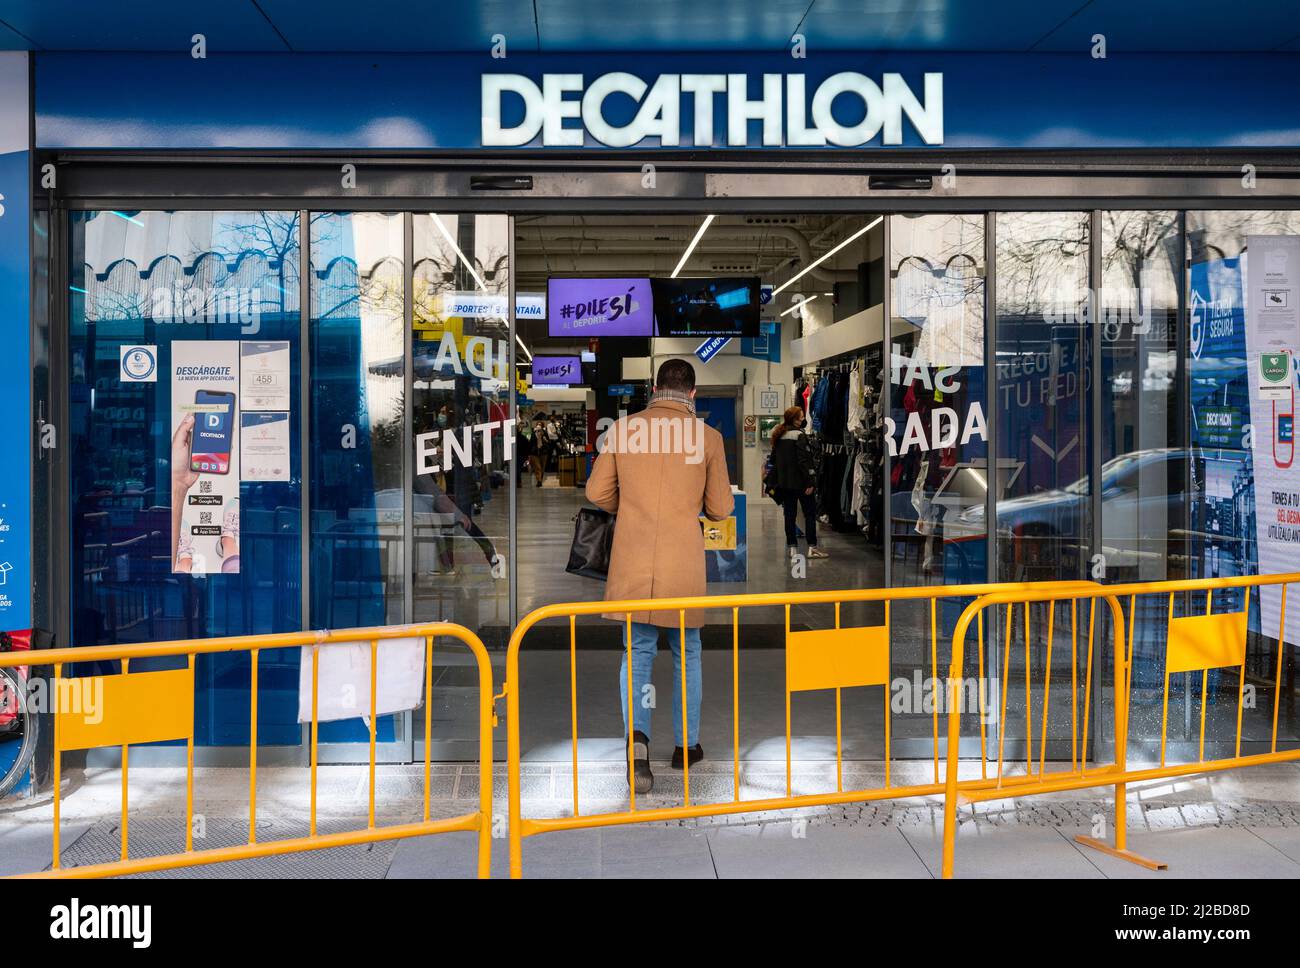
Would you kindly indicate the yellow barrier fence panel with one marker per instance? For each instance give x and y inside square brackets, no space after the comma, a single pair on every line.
[1200,642]
[837,658]
[136,707]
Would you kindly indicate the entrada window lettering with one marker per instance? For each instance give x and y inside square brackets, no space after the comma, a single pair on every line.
[782,106]
[946,427]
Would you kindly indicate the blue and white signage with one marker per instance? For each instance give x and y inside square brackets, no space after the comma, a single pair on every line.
[708,99]
[790,110]
[711,347]
[15,362]
[479,305]
[139,364]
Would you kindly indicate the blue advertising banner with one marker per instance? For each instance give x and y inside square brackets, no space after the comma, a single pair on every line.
[728,99]
[15,332]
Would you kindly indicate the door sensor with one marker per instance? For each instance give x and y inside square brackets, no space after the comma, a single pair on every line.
[501,183]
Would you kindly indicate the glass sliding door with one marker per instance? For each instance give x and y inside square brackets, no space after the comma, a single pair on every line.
[462,480]
[938,447]
[1144,456]
[460,407]
[1045,439]
[358,367]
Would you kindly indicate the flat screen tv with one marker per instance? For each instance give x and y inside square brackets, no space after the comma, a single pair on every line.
[714,306]
[557,371]
[584,308]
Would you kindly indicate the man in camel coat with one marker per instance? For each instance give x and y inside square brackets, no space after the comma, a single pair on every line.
[659,470]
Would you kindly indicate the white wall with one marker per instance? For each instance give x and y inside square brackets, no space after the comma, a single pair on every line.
[727,369]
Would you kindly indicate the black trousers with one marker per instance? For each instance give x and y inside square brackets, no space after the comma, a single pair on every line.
[791,501]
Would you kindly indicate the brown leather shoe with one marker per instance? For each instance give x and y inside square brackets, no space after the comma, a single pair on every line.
[643,780]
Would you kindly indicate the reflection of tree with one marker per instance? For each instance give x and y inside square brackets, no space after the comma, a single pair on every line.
[938,284]
[1042,261]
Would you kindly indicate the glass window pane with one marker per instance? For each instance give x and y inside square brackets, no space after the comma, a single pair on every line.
[358,367]
[1231,466]
[1043,509]
[159,279]
[460,411]
[937,431]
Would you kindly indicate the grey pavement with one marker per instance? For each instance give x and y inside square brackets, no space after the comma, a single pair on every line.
[1243,823]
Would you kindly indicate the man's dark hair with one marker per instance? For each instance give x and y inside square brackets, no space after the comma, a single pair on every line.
[676,375]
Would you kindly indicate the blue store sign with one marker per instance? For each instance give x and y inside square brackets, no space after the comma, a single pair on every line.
[836,99]
[711,347]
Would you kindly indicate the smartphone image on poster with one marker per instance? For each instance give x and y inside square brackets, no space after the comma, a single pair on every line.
[213,429]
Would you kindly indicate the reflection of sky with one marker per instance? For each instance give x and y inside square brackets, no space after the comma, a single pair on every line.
[374,240]
[138,252]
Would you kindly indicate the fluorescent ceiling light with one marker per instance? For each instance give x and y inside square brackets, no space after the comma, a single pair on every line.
[691,248]
[452,242]
[798,305]
[816,262]
[520,342]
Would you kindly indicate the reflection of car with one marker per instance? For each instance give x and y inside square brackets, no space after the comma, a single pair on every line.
[1143,497]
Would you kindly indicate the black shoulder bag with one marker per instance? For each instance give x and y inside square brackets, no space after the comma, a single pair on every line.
[593,541]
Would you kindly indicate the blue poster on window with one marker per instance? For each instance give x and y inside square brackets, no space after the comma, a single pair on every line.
[1222,473]
[15,362]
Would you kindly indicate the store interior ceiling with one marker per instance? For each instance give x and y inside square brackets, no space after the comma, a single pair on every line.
[772,247]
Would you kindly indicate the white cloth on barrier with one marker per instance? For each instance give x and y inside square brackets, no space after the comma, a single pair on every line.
[343,686]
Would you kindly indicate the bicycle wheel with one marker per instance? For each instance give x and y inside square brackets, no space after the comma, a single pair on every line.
[18,738]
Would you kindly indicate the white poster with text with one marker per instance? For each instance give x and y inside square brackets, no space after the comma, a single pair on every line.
[205,456]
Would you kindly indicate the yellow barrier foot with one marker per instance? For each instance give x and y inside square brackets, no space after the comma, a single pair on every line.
[1128,855]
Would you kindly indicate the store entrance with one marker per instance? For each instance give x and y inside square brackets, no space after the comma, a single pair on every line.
[817,344]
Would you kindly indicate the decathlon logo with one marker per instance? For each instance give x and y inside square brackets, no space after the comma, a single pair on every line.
[102,922]
[780,103]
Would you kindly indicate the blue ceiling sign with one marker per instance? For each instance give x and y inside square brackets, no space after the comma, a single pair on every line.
[711,347]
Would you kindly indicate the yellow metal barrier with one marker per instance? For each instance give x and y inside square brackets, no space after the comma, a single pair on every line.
[147,707]
[1193,643]
[826,659]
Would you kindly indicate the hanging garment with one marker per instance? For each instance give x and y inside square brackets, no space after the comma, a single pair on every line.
[856,418]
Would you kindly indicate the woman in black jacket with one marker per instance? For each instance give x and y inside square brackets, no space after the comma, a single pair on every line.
[794,461]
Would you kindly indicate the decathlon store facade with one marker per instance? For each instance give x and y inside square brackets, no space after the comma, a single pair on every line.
[1042,266]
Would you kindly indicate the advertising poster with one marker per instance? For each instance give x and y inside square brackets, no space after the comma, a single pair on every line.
[1272,338]
[1274,318]
[264,375]
[205,456]
[264,446]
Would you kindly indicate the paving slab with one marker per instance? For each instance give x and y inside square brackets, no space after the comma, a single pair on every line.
[1020,852]
[1208,852]
[821,851]
[27,848]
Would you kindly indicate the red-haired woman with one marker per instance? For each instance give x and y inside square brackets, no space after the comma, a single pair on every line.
[794,459]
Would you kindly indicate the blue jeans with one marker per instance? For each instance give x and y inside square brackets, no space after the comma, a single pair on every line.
[645,643]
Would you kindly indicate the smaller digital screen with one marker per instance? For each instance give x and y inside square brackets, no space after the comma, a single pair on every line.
[552,371]
[719,306]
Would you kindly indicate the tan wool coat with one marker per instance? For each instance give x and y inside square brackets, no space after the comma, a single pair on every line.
[649,475]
